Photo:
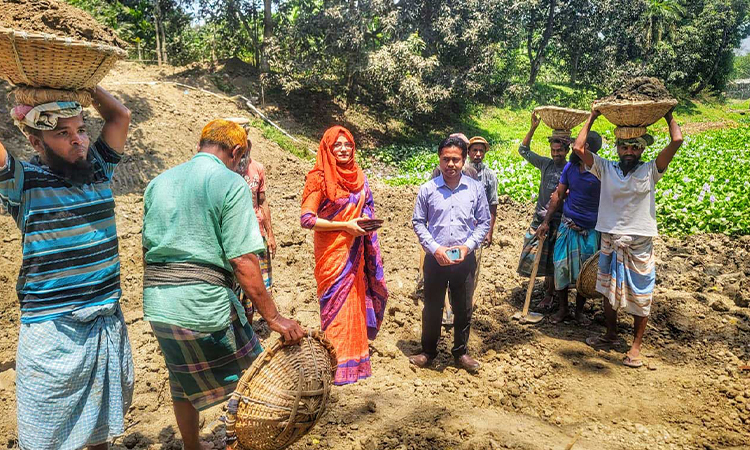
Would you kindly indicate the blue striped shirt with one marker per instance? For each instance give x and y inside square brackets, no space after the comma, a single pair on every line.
[69,238]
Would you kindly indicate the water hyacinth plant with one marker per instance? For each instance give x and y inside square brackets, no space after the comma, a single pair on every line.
[705,189]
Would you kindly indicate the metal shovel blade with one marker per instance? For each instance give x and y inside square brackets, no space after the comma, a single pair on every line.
[532,317]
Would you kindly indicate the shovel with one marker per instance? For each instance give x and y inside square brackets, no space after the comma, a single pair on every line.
[526,316]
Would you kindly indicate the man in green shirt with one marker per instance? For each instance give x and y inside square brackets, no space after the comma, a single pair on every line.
[200,234]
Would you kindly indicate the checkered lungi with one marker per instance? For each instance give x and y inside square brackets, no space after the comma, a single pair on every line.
[265,266]
[531,247]
[572,249]
[74,380]
[204,367]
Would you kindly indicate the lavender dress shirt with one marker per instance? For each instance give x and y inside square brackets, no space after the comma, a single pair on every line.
[445,217]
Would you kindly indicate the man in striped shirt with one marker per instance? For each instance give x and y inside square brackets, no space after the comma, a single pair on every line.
[74,365]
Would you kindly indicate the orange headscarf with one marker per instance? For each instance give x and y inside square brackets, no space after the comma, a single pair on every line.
[335,180]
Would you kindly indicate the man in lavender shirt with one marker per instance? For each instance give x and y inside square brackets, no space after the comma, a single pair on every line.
[451,215]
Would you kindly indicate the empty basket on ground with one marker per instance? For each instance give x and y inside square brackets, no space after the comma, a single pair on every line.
[632,118]
[586,283]
[282,395]
[44,60]
[559,118]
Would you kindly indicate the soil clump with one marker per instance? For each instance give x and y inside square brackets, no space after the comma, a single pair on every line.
[58,18]
[639,89]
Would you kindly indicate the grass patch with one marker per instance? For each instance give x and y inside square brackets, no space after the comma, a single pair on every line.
[272,134]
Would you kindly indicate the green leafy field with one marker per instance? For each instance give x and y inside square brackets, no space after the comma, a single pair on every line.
[705,189]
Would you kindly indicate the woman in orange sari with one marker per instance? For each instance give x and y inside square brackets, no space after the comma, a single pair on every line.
[348,264]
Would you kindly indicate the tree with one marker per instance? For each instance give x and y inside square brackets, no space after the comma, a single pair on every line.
[659,19]
[267,34]
[536,50]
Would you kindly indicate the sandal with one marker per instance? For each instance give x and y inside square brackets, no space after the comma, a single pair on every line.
[632,362]
[545,306]
[600,342]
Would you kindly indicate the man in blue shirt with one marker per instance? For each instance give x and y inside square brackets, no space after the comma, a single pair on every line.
[451,219]
[74,366]
[577,239]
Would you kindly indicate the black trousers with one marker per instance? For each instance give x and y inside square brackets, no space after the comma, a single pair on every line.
[437,278]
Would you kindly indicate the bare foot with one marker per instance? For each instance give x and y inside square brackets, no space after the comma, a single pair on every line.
[559,316]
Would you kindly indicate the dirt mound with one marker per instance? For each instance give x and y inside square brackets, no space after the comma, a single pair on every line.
[640,89]
[55,17]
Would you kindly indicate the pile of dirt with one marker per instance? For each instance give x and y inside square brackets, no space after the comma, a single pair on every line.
[640,89]
[55,17]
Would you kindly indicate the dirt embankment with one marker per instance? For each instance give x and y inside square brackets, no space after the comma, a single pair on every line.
[539,387]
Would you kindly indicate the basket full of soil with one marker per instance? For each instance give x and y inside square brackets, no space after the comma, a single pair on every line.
[638,104]
[50,44]
[559,118]
[282,395]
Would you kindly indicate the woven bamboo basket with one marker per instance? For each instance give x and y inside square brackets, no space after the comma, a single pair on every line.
[635,114]
[282,395]
[629,132]
[45,60]
[25,95]
[586,283]
[559,118]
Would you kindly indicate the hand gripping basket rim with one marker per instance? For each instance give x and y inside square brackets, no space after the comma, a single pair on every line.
[586,282]
[642,113]
[46,60]
[260,366]
[559,118]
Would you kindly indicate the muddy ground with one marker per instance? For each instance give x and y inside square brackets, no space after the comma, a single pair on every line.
[540,387]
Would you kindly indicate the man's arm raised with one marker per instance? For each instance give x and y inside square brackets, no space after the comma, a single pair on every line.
[579,146]
[665,156]
[116,118]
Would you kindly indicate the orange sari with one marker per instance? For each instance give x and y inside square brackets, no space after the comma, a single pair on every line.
[348,270]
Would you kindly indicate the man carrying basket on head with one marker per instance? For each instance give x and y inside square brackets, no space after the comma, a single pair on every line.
[200,233]
[627,223]
[74,366]
[551,168]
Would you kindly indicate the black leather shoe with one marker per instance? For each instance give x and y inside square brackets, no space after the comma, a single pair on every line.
[421,360]
[468,363]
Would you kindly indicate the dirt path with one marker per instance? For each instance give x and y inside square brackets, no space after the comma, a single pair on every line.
[539,387]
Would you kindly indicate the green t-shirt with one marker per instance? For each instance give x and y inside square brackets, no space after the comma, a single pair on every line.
[198,212]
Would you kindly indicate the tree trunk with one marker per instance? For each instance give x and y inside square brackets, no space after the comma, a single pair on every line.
[574,68]
[723,45]
[536,63]
[250,31]
[157,25]
[267,35]
[161,54]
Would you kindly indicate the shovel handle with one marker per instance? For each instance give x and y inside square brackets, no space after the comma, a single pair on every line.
[534,270]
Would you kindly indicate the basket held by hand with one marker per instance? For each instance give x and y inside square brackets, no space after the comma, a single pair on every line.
[45,60]
[635,114]
[282,395]
[586,283]
[559,118]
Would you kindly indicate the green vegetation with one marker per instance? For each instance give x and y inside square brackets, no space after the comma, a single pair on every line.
[704,190]
[424,61]
[281,139]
